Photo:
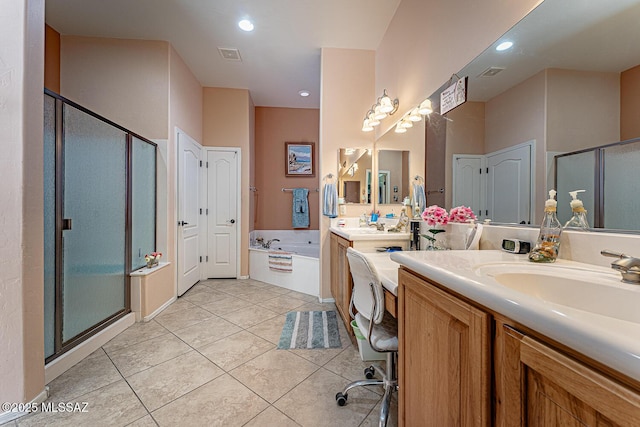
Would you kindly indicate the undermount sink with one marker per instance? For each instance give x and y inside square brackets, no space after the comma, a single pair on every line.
[362,230]
[594,291]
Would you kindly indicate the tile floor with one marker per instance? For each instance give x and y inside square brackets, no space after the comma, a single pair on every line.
[210,359]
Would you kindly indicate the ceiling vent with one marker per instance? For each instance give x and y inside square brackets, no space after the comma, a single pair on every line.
[230,54]
[491,71]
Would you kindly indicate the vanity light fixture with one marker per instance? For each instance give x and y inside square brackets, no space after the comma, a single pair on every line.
[504,46]
[415,115]
[384,106]
[246,25]
[406,123]
[400,128]
[425,107]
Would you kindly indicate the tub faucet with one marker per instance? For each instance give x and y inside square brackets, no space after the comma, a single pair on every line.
[627,265]
[267,244]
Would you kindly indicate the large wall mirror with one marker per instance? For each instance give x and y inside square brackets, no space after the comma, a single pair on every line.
[571,81]
[355,171]
[399,157]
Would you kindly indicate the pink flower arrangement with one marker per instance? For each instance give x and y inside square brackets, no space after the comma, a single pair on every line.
[153,258]
[435,215]
[461,214]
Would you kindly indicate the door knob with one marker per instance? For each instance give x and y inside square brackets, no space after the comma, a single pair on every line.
[232,221]
[182,223]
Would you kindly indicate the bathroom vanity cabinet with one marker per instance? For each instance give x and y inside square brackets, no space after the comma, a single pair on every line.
[341,282]
[462,364]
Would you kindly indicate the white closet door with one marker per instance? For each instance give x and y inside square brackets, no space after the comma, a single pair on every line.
[468,182]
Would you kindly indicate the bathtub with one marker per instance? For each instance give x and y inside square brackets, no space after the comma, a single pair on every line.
[305,249]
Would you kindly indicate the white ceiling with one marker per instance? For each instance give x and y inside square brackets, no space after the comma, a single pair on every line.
[279,58]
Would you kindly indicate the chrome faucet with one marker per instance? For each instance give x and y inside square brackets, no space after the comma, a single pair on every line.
[267,244]
[627,265]
[378,225]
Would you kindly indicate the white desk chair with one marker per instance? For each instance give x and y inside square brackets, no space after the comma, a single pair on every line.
[378,326]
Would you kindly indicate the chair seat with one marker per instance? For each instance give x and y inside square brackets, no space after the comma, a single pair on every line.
[384,336]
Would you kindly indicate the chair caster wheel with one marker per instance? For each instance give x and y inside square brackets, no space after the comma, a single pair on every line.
[369,372]
[341,399]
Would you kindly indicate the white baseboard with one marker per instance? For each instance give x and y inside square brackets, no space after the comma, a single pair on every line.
[243,277]
[5,417]
[159,309]
[54,369]
[326,300]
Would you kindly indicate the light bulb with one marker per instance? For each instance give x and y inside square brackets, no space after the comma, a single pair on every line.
[366,127]
[400,129]
[379,114]
[425,107]
[372,119]
[415,116]
[386,105]
[406,124]
[245,25]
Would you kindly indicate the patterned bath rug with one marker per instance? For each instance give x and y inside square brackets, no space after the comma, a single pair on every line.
[310,329]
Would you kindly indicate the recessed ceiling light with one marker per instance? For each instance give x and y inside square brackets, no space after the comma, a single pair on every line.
[245,25]
[504,46]
[304,93]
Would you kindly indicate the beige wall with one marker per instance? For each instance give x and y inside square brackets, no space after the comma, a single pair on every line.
[226,122]
[630,103]
[429,40]
[347,92]
[583,109]
[51,59]
[21,193]
[185,113]
[126,81]
[274,127]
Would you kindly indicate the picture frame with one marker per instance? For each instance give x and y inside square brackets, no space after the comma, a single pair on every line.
[299,159]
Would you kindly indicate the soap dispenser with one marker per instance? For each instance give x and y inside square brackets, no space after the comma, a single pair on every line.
[548,243]
[579,219]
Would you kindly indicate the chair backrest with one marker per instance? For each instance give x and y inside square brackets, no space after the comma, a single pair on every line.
[364,295]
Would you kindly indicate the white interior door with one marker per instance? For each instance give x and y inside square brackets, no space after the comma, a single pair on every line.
[467,182]
[509,181]
[222,213]
[189,227]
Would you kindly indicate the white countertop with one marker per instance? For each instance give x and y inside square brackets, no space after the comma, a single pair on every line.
[386,268]
[367,233]
[613,342]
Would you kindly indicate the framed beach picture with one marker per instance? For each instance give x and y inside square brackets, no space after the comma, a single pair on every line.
[299,159]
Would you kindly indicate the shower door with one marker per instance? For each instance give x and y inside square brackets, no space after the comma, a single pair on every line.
[94,220]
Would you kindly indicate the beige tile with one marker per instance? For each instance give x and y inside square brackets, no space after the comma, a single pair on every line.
[235,350]
[207,331]
[136,333]
[231,287]
[313,403]
[257,296]
[187,317]
[168,381]
[225,305]
[113,405]
[271,417]
[318,306]
[91,373]
[247,317]
[176,306]
[348,364]
[147,354]
[273,373]
[373,419]
[202,295]
[282,304]
[304,297]
[146,421]
[270,329]
[273,288]
[222,402]
[318,356]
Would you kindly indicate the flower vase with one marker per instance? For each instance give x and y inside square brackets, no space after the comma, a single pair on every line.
[152,264]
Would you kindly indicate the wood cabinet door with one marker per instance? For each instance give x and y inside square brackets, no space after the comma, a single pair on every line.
[542,387]
[444,358]
[341,282]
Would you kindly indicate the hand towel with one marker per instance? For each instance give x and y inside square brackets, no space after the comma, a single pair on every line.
[330,200]
[419,197]
[300,214]
[281,261]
